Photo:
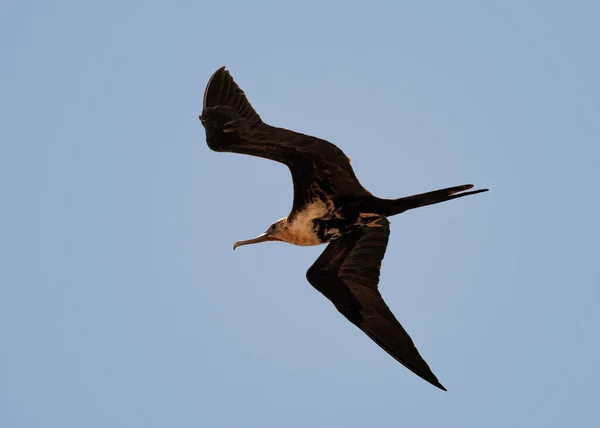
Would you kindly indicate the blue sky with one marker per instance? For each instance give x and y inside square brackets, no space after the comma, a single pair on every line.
[121,301]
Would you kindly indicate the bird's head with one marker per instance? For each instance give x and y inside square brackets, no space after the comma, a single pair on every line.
[272,234]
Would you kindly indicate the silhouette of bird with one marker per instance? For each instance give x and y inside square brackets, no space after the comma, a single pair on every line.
[330,206]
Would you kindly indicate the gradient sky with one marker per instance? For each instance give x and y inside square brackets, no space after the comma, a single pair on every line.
[122,303]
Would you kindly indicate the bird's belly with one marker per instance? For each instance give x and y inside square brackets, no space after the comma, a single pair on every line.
[317,231]
[304,228]
[304,235]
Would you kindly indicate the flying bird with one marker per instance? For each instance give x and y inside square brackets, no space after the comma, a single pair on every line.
[330,206]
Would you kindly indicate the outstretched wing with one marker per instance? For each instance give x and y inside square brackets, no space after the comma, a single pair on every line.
[347,273]
[232,125]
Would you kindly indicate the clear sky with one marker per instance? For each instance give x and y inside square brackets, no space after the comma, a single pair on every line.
[122,303]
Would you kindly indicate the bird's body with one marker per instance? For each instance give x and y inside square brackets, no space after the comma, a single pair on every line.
[304,227]
[330,206]
[319,222]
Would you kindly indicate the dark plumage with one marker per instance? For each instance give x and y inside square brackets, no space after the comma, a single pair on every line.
[330,205]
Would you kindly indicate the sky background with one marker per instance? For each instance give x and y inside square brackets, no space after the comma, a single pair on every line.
[122,303]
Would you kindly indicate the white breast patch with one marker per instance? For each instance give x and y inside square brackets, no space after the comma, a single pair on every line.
[301,231]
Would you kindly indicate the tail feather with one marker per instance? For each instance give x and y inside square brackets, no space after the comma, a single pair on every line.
[397,206]
[224,96]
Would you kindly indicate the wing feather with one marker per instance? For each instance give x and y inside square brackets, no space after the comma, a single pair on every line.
[347,273]
[232,125]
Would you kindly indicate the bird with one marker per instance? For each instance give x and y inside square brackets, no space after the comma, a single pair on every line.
[330,206]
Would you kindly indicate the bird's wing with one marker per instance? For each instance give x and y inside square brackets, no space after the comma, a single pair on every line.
[347,273]
[232,125]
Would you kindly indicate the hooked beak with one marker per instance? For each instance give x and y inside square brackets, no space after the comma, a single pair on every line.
[260,238]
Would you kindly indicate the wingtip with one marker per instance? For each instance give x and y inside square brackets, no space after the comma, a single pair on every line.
[219,70]
[433,380]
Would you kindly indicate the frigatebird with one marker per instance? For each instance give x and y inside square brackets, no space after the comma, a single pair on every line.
[330,206]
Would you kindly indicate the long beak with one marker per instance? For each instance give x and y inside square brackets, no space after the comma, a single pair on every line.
[260,238]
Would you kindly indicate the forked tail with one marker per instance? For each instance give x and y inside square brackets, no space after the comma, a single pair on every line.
[397,206]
